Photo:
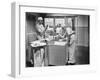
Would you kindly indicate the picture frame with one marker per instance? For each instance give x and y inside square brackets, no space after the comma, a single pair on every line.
[18,68]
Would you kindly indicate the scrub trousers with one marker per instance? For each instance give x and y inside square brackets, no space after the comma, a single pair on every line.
[39,58]
[71,53]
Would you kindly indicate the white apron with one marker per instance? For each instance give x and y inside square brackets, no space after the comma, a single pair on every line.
[71,49]
[38,56]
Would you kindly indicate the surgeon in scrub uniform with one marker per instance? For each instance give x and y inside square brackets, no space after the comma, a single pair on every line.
[39,56]
[58,29]
[71,46]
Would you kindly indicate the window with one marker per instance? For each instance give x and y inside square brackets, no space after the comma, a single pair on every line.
[49,21]
[70,22]
[60,21]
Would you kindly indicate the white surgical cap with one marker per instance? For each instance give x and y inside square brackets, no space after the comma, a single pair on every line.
[40,18]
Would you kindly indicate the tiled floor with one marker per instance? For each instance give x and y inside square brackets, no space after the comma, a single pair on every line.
[82,55]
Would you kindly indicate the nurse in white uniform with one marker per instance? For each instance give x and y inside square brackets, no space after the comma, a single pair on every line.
[71,46]
[39,56]
[59,29]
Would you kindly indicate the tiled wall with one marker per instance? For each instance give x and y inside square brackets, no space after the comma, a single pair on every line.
[82,31]
[82,36]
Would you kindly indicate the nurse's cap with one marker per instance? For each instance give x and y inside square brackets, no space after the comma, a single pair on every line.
[40,18]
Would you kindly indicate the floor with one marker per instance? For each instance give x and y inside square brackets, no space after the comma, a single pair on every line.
[81,54]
